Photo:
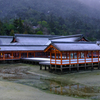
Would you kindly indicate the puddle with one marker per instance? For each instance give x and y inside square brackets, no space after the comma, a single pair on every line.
[75,90]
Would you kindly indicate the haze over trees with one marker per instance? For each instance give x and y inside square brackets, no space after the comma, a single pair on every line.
[59,17]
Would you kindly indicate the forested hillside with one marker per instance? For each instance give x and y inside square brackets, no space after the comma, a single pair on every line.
[59,17]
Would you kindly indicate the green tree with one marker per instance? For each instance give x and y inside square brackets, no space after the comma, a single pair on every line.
[12,33]
[39,33]
[43,23]
[18,24]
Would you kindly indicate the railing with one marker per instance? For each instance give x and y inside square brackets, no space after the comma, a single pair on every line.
[74,61]
[9,58]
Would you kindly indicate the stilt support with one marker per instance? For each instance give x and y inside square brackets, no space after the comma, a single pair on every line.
[45,67]
[70,68]
[61,68]
[55,67]
[40,67]
[50,68]
[77,67]
[85,66]
[98,65]
[92,67]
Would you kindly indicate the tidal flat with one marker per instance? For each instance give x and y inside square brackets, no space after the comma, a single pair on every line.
[28,82]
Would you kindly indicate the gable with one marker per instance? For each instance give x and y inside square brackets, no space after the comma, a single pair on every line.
[50,48]
[14,40]
[83,39]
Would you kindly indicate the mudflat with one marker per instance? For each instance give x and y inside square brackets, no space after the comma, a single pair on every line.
[14,91]
[10,90]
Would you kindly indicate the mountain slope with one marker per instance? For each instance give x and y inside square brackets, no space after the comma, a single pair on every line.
[64,8]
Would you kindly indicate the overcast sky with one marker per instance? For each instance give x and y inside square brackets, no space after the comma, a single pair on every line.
[91,3]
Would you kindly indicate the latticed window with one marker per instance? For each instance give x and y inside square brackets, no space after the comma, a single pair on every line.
[82,55]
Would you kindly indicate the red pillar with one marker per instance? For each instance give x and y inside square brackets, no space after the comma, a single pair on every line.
[61,57]
[69,58]
[27,54]
[3,56]
[12,55]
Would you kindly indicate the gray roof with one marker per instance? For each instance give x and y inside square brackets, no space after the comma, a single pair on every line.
[21,48]
[4,40]
[69,38]
[75,46]
[32,41]
[35,35]
[28,39]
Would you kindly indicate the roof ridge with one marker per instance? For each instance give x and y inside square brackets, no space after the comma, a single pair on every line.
[81,42]
[68,36]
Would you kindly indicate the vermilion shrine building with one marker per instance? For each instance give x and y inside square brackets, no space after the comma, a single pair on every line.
[63,51]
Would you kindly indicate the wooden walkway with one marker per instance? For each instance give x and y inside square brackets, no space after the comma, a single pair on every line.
[45,64]
[36,59]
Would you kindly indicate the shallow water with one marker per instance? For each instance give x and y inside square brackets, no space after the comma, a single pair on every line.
[76,90]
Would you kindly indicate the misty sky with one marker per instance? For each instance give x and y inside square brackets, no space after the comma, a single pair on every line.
[91,3]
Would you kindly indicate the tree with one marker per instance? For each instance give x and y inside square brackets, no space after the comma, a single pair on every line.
[18,24]
[39,33]
[12,33]
[43,24]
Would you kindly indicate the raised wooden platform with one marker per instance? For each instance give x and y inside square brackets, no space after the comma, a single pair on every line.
[36,59]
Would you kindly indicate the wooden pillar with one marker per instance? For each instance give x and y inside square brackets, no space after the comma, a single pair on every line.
[61,62]
[92,67]
[69,62]
[40,67]
[12,55]
[50,67]
[69,59]
[92,55]
[55,67]
[27,54]
[77,57]
[3,56]
[77,67]
[70,68]
[34,54]
[85,60]
[55,57]
[61,58]
[19,54]
[50,57]
[45,67]
[92,60]
[98,56]
[77,61]
[98,61]
[98,65]
[85,66]
[61,68]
